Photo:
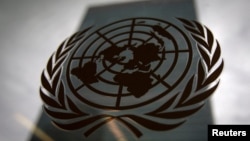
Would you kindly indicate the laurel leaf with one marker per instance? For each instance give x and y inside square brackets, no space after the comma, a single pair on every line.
[204,55]
[178,114]
[217,54]
[204,46]
[210,38]
[49,66]
[192,30]
[187,91]
[164,106]
[201,96]
[152,124]
[56,79]
[73,107]
[71,38]
[201,75]
[52,86]
[214,75]
[59,50]
[186,22]
[61,95]
[49,101]
[79,124]
[58,64]
[66,50]
[193,27]
[74,41]
[200,40]
[61,115]
[91,130]
[46,84]
[200,28]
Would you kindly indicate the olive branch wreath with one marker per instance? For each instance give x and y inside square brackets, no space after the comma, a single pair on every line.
[202,84]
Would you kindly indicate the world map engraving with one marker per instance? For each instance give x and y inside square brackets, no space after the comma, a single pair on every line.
[130,63]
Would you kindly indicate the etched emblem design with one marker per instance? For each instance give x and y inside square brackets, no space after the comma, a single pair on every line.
[131,66]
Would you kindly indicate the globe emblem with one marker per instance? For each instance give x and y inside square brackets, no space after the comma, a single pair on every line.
[135,72]
[129,63]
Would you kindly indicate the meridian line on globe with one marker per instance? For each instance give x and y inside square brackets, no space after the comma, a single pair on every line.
[131,32]
[79,87]
[105,38]
[118,100]
[157,77]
